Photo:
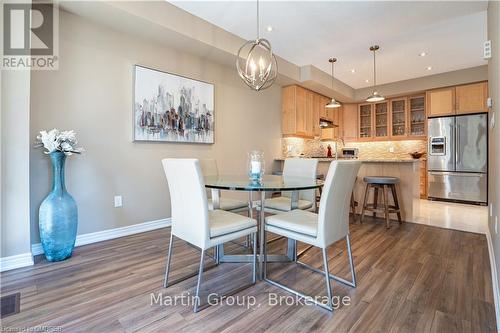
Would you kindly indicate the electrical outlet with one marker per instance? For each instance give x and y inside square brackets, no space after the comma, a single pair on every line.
[118,201]
[391,149]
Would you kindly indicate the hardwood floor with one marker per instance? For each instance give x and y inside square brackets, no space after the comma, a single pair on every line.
[411,278]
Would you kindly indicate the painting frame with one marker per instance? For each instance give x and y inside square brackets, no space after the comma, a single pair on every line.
[208,137]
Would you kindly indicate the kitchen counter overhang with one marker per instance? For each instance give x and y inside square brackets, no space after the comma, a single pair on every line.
[407,170]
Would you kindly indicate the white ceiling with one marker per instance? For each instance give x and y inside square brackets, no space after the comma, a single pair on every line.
[309,32]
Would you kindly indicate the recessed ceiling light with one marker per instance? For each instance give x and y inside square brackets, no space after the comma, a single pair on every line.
[269,28]
[422,54]
[353,70]
[367,80]
[429,68]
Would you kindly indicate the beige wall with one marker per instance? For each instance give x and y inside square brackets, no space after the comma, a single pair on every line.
[494,87]
[14,175]
[92,94]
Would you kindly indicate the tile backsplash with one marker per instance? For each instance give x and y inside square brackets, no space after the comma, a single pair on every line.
[291,147]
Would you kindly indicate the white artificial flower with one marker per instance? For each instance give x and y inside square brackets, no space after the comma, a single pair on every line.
[55,140]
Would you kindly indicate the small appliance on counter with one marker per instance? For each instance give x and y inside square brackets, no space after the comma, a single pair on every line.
[349,153]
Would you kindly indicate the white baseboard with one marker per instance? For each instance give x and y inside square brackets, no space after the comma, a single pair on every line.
[494,279]
[100,236]
[17,261]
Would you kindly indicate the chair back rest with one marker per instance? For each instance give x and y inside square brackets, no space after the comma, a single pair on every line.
[333,217]
[301,167]
[209,169]
[188,200]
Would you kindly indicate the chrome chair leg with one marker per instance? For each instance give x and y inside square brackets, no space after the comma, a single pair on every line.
[295,250]
[254,267]
[327,279]
[351,262]
[200,272]
[169,257]
[265,254]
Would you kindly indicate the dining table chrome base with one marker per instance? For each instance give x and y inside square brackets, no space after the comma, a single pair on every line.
[268,184]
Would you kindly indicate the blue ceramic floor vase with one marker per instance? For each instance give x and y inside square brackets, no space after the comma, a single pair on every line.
[58,215]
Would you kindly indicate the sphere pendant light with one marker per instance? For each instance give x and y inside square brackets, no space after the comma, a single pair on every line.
[333,103]
[256,63]
[375,96]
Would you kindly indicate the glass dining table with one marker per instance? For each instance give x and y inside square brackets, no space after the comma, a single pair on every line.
[268,183]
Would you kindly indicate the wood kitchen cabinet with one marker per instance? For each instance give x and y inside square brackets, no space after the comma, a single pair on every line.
[398,120]
[373,121]
[440,102]
[463,99]
[365,122]
[316,112]
[350,122]
[423,179]
[297,112]
[471,98]
[301,111]
[417,119]
[333,133]
[381,121]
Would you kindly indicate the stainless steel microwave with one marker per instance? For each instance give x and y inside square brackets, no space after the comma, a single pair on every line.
[349,152]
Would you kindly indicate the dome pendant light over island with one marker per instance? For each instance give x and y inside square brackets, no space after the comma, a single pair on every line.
[333,103]
[375,96]
[256,63]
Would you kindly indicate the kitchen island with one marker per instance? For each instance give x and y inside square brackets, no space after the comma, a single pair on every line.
[407,170]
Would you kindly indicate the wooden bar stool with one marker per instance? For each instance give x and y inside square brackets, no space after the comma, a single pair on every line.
[384,184]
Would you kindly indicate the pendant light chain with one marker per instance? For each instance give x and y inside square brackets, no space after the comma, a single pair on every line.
[374,71]
[258,21]
[375,96]
[332,74]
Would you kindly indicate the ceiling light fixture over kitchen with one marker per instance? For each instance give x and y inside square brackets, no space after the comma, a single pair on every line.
[333,103]
[375,96]
[422,54]
[429,68]
[256,63]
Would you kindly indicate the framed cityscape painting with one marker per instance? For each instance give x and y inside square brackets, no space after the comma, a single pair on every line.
[172,108]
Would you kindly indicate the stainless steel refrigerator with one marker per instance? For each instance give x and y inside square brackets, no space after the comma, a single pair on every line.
[457,160]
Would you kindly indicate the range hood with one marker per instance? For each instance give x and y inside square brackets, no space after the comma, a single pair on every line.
[323,123]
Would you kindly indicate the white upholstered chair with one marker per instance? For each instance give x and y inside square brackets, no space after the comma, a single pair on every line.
[295,167]
[321,230]
[209,168]
[193,222]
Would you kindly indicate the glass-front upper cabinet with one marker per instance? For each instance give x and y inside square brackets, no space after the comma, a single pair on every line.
[381,120]
[398,117]
[417,116]
[365,121]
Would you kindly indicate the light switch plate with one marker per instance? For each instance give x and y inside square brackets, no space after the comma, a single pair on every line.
[487,49]
[118,201]
[489,102]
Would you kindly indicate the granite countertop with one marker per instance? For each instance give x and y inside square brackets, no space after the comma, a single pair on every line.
[380,160]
